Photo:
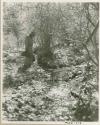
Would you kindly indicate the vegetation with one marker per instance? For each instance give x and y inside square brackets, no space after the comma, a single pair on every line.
[51,61]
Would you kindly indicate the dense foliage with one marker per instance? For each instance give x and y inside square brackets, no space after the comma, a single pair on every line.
[61,83]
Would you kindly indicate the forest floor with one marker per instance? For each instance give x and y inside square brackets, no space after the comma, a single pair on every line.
[32,96]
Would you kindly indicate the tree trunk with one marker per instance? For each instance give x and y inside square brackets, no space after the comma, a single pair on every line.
[29,57]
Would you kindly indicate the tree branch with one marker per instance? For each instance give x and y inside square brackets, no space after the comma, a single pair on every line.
[95,29]
[88,17]
[90,55]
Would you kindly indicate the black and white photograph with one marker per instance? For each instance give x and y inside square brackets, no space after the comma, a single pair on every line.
[50,61]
